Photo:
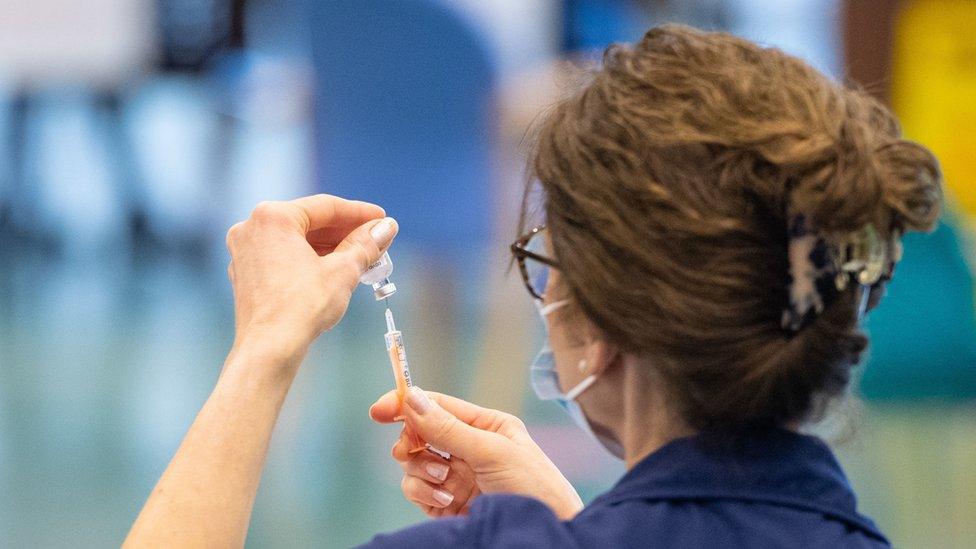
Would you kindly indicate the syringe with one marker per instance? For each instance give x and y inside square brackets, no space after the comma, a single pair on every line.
[401,374]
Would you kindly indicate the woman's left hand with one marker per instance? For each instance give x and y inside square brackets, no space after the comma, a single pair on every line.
[294,266]
[491,452]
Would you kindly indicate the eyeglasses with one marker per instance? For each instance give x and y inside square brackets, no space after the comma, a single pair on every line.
[529,250]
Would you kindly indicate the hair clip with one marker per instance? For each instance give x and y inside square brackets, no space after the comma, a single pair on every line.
[861,256]
[820,269]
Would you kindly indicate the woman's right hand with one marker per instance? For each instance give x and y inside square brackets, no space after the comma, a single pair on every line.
[491,451]
[294,266]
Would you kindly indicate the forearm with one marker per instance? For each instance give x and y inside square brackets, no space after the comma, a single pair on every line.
[293,267]
[205,496]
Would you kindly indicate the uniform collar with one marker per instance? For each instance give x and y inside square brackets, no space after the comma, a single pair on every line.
[769,466]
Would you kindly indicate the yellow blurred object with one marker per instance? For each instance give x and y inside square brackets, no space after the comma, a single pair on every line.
[934,89]
[921,456]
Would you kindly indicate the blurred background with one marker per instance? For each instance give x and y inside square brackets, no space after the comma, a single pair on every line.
[133,133]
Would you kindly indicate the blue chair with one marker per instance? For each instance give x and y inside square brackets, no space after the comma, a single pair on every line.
[403,93]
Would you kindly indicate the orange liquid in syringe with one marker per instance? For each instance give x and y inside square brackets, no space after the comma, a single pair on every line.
[401,374]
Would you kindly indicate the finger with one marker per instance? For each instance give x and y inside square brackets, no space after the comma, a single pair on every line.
[232,234]
[401,450]
[461,484]
[463,490]
[324,210]
[477,416]
[328,238]
[447,432]
[432,468]
[420,491]
[386,408]
[323,250]
[360,249]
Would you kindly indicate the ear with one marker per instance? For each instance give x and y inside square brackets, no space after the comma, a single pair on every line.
[600,356]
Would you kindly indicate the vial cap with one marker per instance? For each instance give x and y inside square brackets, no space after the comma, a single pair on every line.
[383,291]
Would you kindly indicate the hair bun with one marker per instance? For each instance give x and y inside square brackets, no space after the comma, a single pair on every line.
[861,171]
[912,184]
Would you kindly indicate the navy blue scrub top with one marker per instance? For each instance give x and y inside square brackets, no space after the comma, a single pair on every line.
[770,489]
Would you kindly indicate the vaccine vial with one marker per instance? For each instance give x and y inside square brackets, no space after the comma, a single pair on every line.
[378,276]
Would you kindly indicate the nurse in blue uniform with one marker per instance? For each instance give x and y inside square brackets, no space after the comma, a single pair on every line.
[709,225]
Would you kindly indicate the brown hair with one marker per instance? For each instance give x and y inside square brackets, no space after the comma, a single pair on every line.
[667,180]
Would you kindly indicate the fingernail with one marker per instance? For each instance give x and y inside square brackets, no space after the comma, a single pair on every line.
[382,233]
[442,497]
[417,399]
[437,470]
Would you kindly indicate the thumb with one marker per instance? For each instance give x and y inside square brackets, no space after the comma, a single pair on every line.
[386,409]
[361,248]
[445,431]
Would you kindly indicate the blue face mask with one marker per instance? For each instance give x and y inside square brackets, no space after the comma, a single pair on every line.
[545,383]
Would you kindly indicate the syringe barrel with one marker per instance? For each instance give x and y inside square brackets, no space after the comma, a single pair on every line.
[398,360]
[401,375]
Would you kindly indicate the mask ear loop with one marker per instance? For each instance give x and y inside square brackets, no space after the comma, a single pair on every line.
[546,310]
[578,390]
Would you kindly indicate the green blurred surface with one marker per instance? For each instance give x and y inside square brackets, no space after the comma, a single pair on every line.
[923,335]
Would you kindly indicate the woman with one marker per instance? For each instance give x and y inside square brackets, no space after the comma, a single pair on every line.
[718,219]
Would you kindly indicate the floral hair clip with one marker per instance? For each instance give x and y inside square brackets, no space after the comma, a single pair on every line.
[821,268]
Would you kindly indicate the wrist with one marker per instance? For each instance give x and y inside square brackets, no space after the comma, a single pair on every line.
[277,349]
[262,362]
[256,370]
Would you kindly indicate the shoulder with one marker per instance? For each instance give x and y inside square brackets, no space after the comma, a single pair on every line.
[517,521]
[496,520]
[714,522]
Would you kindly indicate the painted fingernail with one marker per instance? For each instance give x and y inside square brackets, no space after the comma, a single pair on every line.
[382,233]
[442,497]
[417,399]
[437,470]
